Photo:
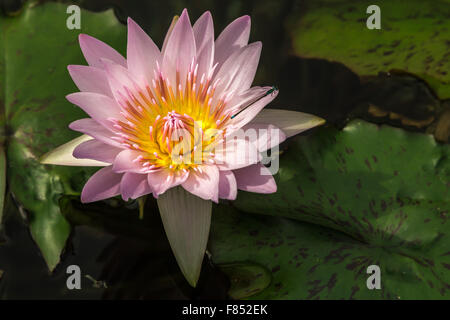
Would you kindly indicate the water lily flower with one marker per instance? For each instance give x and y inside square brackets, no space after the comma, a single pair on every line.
[164,122]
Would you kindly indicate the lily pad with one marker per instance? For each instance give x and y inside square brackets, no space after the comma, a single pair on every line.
[36,48]
[413,37]
[371,182]
[312,262]
[382,187]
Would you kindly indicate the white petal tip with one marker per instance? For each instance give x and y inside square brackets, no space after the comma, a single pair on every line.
[63,155]
[290,122]
[317,121]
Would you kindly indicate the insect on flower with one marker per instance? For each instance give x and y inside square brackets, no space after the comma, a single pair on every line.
[272,90]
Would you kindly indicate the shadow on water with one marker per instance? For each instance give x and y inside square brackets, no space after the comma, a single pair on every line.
[133,259]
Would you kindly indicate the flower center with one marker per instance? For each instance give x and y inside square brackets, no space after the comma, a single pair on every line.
[172,127]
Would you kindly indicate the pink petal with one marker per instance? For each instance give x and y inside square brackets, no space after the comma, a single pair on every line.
[232,38]
[125,162]
[291,122]
[96,150]
[269,136]
[204,40]
[90,79]
[142,53]
[250,112]
[164,179]
[246,98]
[236,152]
[237,73]
[94,49]
[256,178]
[102,185]
[99,107]
[180,50]
[134,185]
[204,184]
[168,34]
[120,79]
[94,129]
[227,185]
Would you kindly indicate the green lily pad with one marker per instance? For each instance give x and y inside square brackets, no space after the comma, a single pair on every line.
[312,262]
[413,37]
[36,48]
[373,183]
[383,187]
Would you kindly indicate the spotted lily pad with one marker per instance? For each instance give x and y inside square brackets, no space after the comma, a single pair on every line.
[385,190]
[36,47]
[413,37]
[312,262]
[371,182]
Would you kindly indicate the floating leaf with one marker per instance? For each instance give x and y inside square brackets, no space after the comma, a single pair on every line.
[386,189]
[312,262]
[413,37]
[368,181]
[33,84]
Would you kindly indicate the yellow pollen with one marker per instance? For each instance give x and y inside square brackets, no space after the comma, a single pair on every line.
[172,127]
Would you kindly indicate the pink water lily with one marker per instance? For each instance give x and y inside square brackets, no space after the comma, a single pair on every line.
[160,123]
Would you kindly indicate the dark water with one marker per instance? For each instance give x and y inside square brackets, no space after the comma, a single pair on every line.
[131,257]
